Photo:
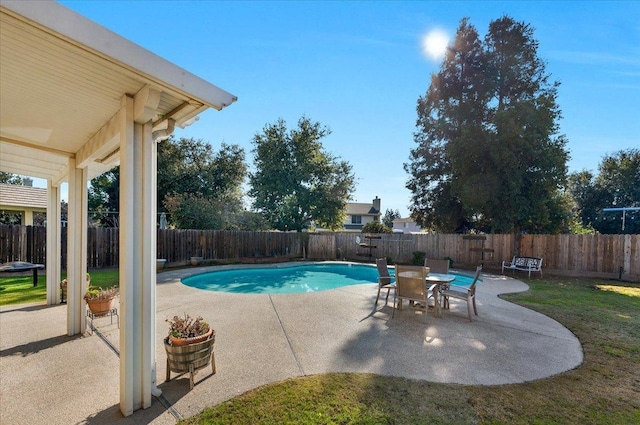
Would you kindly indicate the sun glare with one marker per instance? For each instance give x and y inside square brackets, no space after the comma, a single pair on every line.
[434,44]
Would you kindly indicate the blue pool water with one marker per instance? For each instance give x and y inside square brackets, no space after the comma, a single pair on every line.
[290,279]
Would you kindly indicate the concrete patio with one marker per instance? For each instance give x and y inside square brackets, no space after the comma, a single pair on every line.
[48,377]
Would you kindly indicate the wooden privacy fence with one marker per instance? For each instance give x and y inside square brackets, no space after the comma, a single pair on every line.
[178,246]
[593,255]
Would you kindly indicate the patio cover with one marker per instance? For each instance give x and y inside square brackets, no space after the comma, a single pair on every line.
[75,100]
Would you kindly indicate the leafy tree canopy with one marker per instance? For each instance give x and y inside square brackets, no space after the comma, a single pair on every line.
[389,216]
[196,186]
[488,157]
[10,178]
[375,227]
[295,180]
[617,185]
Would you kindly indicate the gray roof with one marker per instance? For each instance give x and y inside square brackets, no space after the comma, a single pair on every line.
[13,195]
[361,209]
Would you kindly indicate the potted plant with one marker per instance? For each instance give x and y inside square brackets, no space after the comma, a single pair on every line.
[187,330]
[100,301]
[63,288]
[189,346]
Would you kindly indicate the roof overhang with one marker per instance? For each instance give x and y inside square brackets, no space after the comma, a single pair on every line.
[62,79]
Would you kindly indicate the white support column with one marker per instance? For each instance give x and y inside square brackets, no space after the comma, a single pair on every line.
[148,235]
[138,178]
[130,399]
[76,249]
[53,243]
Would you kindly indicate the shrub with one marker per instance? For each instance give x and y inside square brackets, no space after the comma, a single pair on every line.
[187,326]
[418,258]
[375,227]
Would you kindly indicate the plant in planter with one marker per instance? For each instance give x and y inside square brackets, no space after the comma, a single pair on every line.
[63,288]
[187,330]
[189,346]
[99,300]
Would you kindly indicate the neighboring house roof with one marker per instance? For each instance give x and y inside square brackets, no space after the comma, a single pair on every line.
[361,209]
[403,220]
[13,195]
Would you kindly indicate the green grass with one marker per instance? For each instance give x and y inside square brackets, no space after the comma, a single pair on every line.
[20,290]
[605,389]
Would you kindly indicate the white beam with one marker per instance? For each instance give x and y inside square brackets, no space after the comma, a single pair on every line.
[76,249]
[129,398]
[102,143]
[53,243]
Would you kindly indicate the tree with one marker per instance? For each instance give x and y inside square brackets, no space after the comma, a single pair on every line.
[10,178]
[295,180]
[104,198]
[616,185]
[488,156]
[200,188]
[190,166]
[389,216]
[189,172]
[375,227]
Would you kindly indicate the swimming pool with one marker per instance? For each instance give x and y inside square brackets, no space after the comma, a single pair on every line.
[291,279]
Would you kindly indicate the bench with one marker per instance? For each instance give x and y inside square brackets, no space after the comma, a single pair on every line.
[526,264]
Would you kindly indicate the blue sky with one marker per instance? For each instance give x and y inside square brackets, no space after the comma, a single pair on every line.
[359,68]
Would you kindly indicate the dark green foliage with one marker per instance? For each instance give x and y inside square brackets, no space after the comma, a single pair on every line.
[389,216]
[418,257]
[10,178]
[488,156]
[375,227]
[295,181]
[617,185]
[198,187]
[104,198]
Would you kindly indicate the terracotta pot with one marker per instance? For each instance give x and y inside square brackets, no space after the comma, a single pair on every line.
[101,307]
[187,341]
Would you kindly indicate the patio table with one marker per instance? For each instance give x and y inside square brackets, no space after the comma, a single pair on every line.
[440,280]
[22,266]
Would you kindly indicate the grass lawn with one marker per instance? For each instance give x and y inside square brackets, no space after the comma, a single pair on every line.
[16,289]
[605,389]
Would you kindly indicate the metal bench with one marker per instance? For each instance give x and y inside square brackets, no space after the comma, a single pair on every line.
[526,264]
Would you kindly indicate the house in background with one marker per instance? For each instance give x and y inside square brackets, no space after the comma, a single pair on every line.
[23,200]
[405,225]
[359,214]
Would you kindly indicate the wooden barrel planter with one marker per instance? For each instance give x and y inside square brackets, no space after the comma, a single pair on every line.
[190,358]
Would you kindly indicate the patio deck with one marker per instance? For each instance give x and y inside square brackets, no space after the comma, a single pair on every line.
[48,377]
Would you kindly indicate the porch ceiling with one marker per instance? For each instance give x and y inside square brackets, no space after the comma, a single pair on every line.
[62,78]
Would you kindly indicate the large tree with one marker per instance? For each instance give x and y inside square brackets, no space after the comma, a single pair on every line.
[10,178]
[295,180]
[190,166]
[104,198]
[197,186]
[617,185]
[200,188]
[488,155]
[389,216]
